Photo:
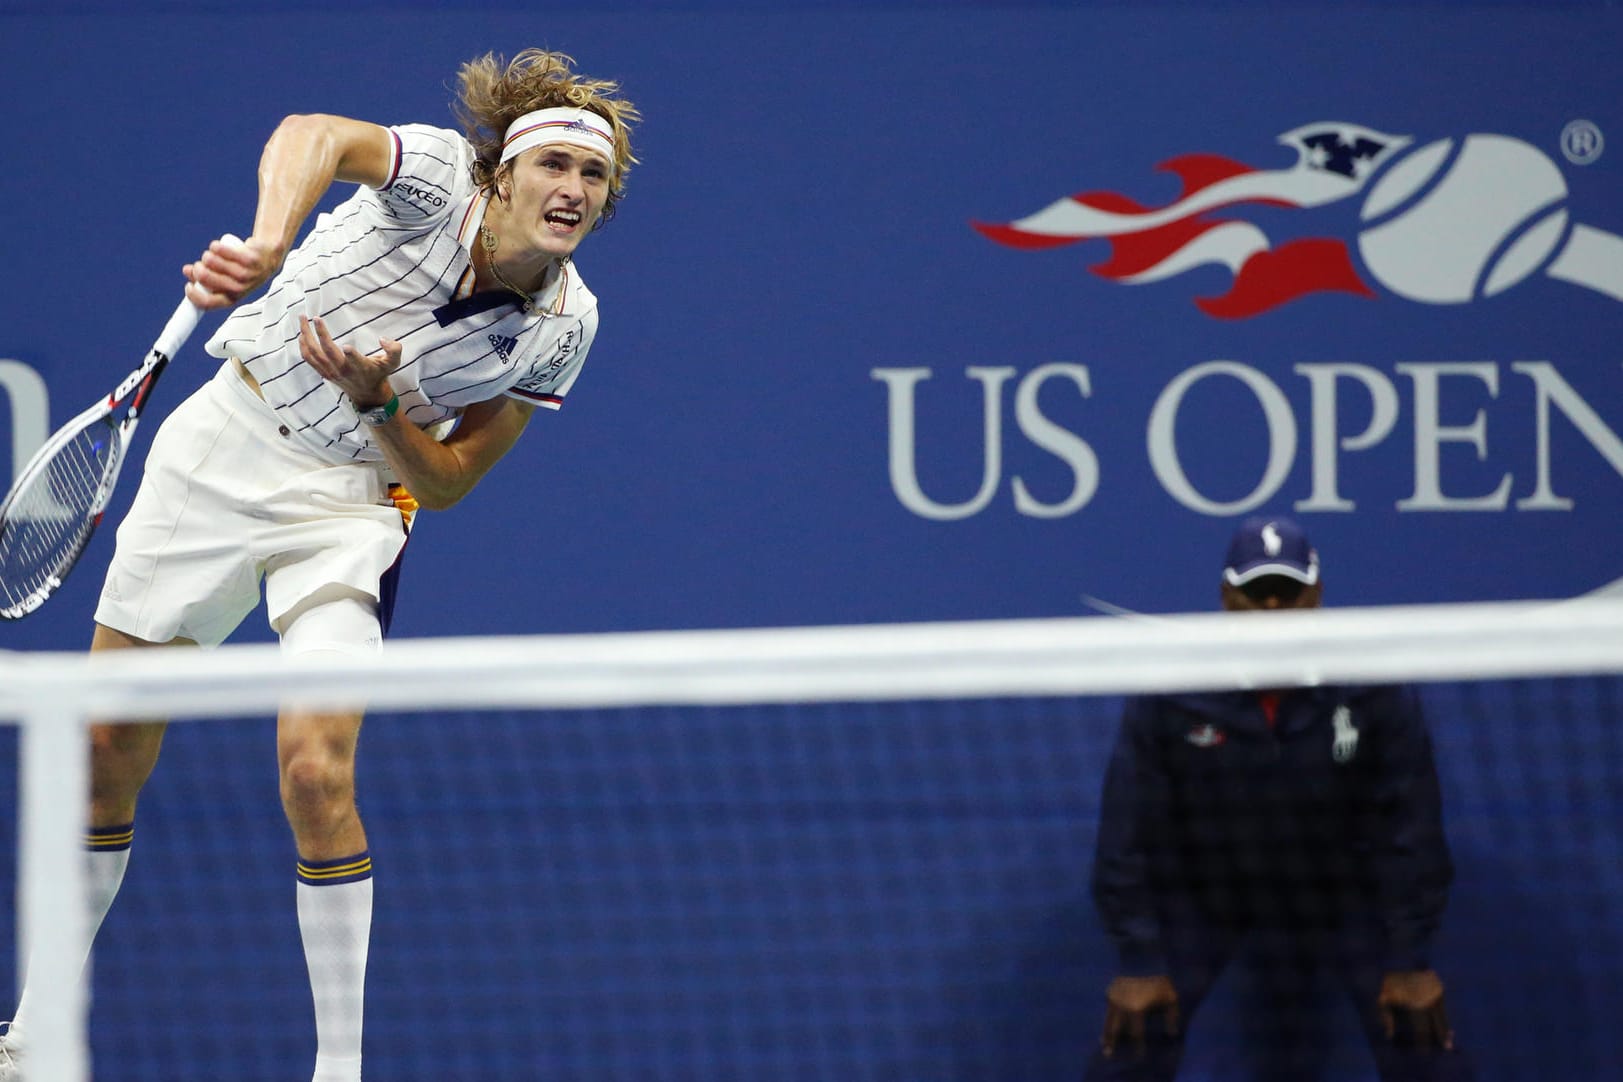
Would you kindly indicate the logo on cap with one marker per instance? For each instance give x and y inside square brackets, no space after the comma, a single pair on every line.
[1270,546]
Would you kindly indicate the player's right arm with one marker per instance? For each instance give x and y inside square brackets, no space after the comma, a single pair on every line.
[1136,794]
[1135,798]
[302,159]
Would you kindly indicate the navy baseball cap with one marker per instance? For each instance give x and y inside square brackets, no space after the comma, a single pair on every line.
[1270,546]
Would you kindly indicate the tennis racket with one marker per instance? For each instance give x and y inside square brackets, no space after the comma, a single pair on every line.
[60,496]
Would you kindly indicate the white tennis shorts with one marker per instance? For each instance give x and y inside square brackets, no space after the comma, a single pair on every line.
[227,500]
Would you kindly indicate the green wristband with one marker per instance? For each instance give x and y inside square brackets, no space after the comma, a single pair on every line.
[379,415]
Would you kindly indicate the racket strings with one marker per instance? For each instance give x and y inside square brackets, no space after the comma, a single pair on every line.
[53,512]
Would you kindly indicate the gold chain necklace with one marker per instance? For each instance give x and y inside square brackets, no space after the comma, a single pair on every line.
[488,239]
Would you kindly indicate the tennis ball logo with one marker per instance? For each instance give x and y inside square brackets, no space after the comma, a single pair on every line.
[1446,227]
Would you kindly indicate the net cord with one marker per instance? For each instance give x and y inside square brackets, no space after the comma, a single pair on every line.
[1056,656]
[52,695]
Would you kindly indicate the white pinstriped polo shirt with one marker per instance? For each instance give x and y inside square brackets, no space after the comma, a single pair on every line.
[396,262]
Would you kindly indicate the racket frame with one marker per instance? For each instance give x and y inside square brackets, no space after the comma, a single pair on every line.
[137,387]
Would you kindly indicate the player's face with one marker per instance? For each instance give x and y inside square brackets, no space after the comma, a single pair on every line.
[558,193]
[1271,592]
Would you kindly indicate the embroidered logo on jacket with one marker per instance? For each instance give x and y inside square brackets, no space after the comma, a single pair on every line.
[1344,745]
[1206,736]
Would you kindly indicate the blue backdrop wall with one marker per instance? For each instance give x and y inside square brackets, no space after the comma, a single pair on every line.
[844,376]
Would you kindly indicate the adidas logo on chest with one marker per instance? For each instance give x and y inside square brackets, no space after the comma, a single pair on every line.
[504,346]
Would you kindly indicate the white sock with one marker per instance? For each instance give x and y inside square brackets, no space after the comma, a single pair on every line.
[335,921]
[107,855]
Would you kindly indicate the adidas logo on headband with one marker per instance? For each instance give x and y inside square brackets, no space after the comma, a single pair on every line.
[576,127]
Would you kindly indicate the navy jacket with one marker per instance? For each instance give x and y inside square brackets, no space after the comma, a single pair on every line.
[1213,816]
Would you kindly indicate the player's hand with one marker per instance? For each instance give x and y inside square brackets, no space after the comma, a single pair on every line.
[364,377]
[1128,1002]
[229,270]
[1419,995]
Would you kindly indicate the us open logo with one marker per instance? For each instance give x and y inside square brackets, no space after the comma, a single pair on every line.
[1448,222]
[1362,215]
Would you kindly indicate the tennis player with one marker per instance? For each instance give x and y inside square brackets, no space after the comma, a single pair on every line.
[398,353]
[1305,824]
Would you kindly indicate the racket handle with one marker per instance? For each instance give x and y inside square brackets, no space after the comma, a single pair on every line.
[185,320]
[178,329]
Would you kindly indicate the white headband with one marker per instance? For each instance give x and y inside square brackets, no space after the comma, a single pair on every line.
[577,127]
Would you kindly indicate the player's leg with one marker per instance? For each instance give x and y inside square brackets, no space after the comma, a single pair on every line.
[323,596]
[334,888]
[122,757]
[316,757]
[1288,1002]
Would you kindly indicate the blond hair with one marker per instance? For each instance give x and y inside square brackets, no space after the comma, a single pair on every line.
[494,92]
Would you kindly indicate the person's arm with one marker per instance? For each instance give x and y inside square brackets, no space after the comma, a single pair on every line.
[1418,996]
[438,474]
[1412,862]
[1137,794]
[1413,872]
[302,159]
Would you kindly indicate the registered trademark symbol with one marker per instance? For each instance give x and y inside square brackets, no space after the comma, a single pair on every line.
[1582,142]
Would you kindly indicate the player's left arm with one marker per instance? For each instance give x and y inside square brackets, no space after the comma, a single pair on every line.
[1413,865]
[438,474]
[1414,869]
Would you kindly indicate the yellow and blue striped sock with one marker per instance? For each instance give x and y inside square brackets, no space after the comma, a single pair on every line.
[107,855]
[335,922]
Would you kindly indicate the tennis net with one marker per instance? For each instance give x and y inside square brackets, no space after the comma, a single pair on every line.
[777,854]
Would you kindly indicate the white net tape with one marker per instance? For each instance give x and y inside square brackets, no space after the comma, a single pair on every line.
[1085,655]
[54,695]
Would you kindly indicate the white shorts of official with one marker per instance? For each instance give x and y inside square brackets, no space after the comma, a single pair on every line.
[227,500]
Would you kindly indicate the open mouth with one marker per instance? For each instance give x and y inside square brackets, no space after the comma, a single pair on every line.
[568,219]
